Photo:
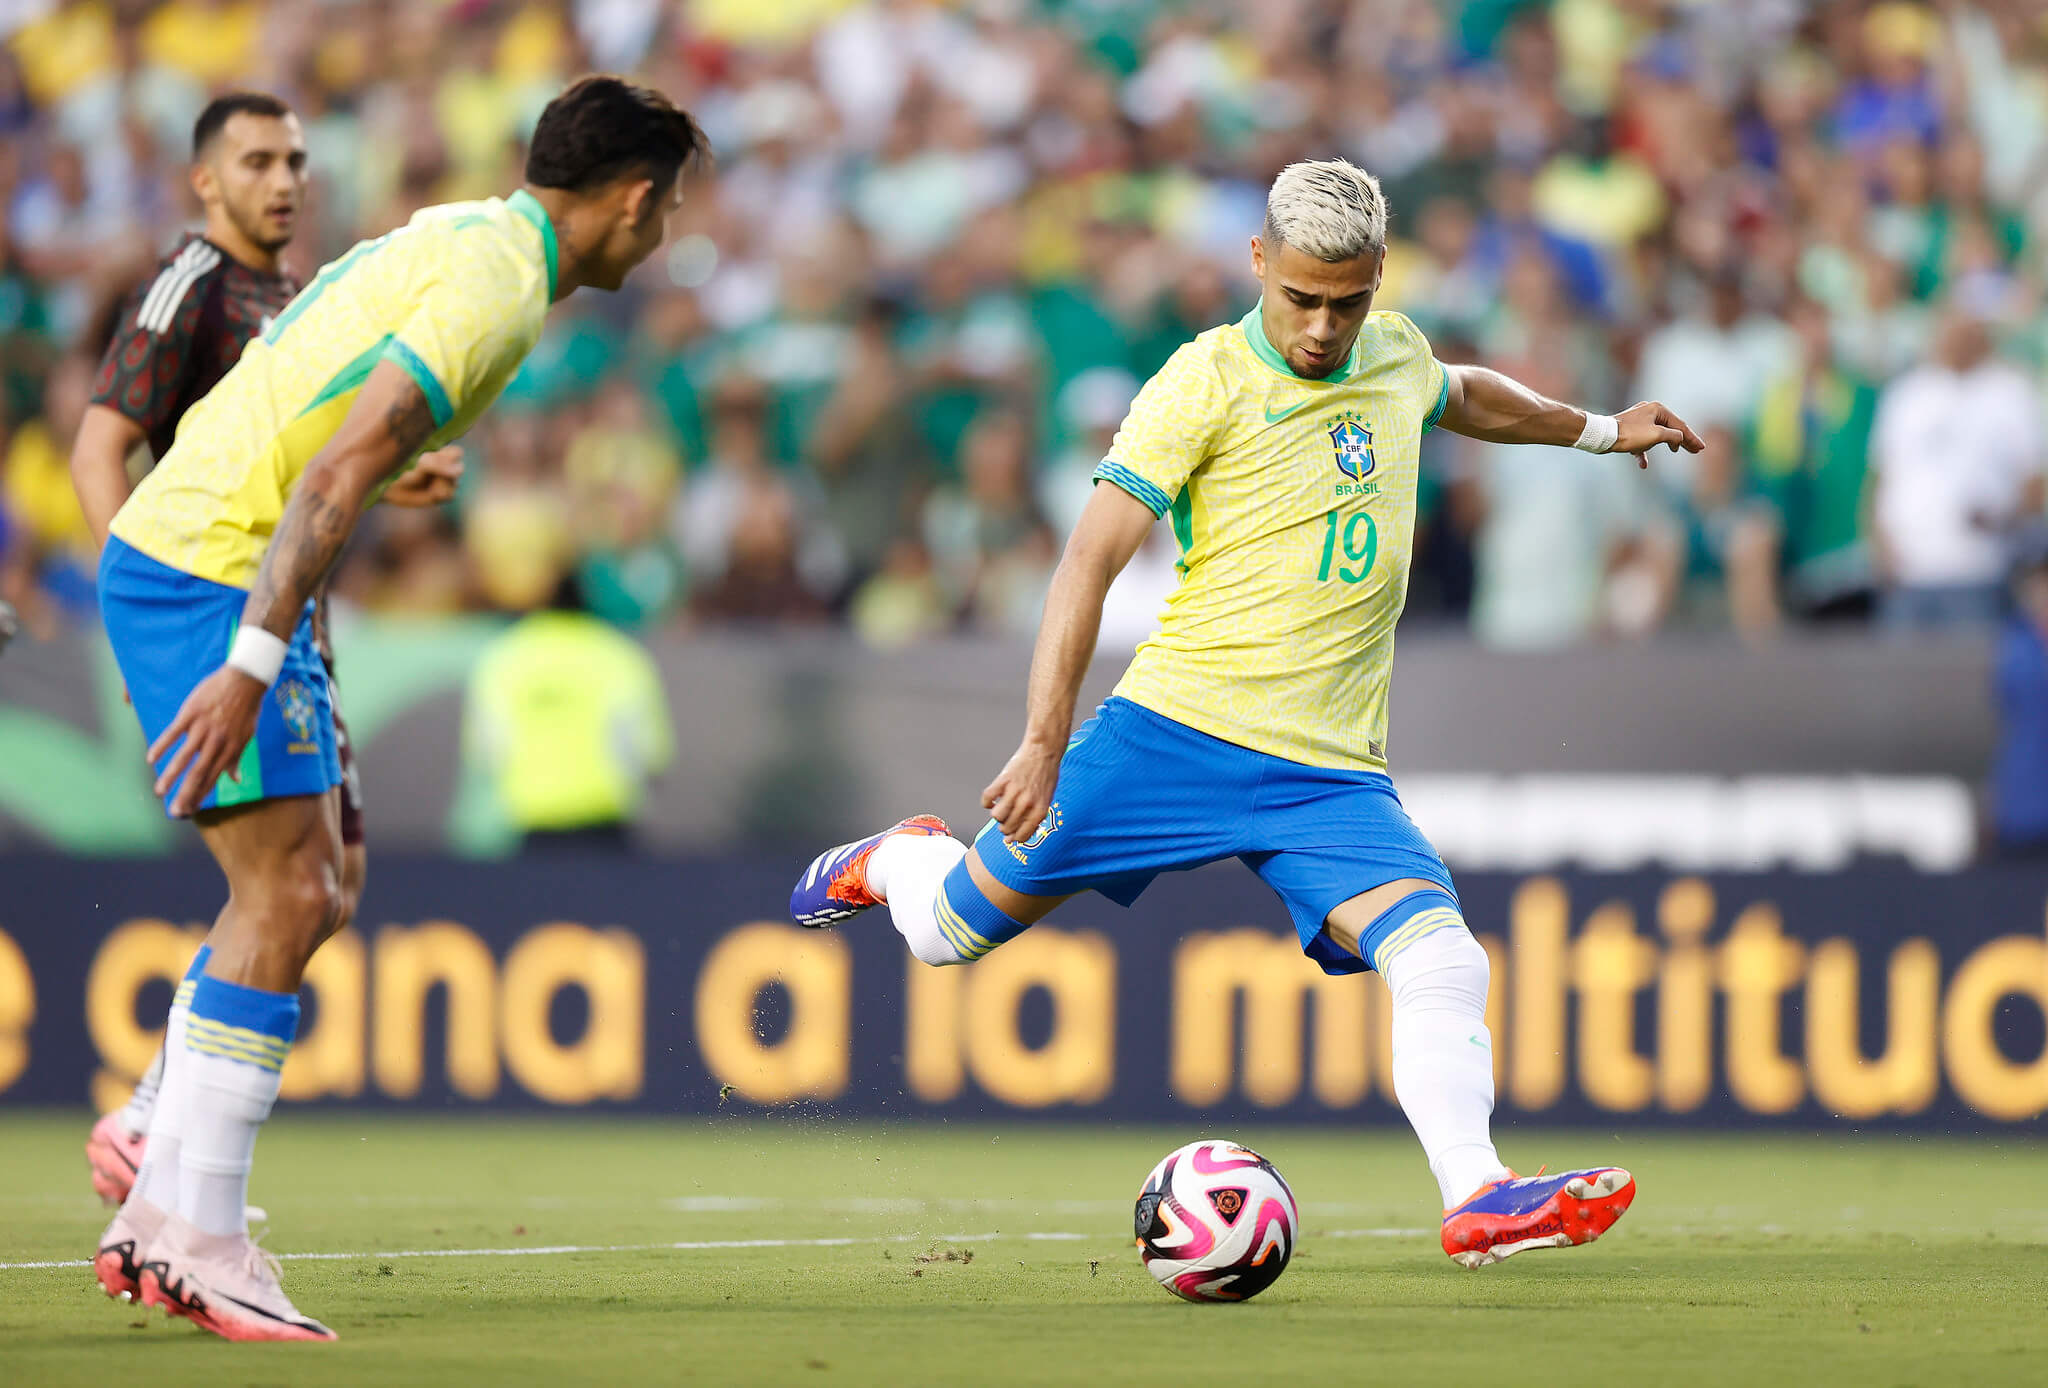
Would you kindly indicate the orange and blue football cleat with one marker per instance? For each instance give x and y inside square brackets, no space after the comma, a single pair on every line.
[835,888]
[1504,1217]
[115,1155]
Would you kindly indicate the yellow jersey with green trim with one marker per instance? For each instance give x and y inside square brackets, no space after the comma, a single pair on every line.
[456,297]
[1294,504]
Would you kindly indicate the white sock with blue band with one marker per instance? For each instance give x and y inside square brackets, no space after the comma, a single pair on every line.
[936,908]
[1438,975]
[236,1041]
[157,1180]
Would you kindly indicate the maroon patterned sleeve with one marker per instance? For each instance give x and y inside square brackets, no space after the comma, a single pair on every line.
[151,351]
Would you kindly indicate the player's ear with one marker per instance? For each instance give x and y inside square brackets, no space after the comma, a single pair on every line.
[1258,260]
[640,202]
[205,186]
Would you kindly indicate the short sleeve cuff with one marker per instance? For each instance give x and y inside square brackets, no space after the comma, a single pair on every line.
[1443,398]
[398,354]
[1156,501]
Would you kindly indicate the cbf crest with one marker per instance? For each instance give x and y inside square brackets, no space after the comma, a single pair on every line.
[295,702]
[1351,437]
[1046,826]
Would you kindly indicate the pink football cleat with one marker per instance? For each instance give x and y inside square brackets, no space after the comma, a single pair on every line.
[223,1282]
[124,1248]
[115,1155]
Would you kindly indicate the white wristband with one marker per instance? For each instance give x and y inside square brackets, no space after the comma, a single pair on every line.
[257,654]
[1599,434]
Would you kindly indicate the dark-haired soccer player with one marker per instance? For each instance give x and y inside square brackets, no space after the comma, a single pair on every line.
[179,333]
[206,586]
[1253,724]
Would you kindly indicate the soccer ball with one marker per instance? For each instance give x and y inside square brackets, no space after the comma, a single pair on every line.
[1216,1222]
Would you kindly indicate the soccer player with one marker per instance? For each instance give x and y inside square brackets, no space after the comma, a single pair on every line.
[206,585]
[180,332]
[1283,451]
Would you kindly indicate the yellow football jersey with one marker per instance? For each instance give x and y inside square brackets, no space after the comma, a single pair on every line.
[456,297]
[1294,505]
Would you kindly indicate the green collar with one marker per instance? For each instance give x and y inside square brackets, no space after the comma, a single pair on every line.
[1254,328]
[528,206]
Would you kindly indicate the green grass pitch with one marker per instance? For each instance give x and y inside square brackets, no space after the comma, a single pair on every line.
[1747,1259]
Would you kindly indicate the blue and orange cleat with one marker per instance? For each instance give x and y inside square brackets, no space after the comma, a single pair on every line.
[1506,1216]
[835,888]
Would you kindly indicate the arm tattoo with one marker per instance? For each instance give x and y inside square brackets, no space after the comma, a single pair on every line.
[316,524]
[408,422]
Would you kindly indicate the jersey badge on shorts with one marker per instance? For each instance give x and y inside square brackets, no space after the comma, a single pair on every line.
[1352,438]
[1051,822]
[295,702]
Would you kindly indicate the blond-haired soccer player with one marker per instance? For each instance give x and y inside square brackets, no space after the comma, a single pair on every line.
[206,586]
[1283,451]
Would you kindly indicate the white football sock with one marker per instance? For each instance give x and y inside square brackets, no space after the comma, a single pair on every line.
[135,1114]
[228,1101]
[905,871]
[1443,1058]
[157,1180]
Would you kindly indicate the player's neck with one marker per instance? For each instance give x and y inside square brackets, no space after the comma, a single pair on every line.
[241,249]
[569,249]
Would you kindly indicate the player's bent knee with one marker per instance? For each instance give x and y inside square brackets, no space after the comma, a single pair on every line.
[970,925]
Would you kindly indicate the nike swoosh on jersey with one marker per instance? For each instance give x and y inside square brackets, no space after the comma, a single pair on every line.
[1297,406]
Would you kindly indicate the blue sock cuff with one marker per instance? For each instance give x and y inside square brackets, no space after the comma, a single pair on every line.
[1406,921]
[238,1023]
[968,919]
[182,995]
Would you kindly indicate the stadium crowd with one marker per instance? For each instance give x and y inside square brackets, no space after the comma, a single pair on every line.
[945,242]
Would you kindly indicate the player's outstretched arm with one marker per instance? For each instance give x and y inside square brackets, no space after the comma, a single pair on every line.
[1111,528]
[385,427]
[1484,404]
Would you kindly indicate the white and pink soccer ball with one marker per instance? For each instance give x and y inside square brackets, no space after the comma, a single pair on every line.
[1215,1222]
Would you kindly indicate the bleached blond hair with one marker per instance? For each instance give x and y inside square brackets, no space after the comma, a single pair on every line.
[1328,208]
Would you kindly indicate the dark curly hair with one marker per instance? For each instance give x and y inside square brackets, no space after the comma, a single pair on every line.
[603,127]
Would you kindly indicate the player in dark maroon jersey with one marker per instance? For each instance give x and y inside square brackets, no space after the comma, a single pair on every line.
[181,331]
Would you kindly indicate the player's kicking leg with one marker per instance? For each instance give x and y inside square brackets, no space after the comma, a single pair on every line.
[1414,934]
[184,1225]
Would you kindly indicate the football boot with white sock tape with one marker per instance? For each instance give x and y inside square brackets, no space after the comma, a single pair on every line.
[835,887]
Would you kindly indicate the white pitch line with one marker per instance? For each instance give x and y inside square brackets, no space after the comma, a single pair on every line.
[709,1245]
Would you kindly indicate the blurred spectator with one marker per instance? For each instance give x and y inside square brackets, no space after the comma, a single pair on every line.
[46,551]
[1809,449]
[517,524]
[567,719]
[903,603]
[1710,364]
[621,476]
[989,517]
[1555,524]
[1956,446]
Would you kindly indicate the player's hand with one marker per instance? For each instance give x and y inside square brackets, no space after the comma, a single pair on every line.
[1018,798]
[429,481]
[216,721]
[1645,425]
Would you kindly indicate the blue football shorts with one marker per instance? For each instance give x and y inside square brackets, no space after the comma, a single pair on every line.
[170,630]
[1140,794]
